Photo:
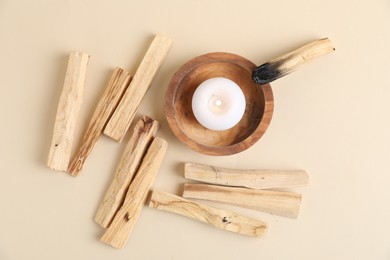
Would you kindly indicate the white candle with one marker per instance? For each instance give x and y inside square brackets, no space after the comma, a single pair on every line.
[218,104]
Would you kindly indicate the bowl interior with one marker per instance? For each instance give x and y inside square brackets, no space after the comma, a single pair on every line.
[183,122]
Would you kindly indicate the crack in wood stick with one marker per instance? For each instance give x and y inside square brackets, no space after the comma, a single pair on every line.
[68,110]
[125,219]
[254,179]
[124,114]
[113,93]
[144,131]
[285,204]
[222,219]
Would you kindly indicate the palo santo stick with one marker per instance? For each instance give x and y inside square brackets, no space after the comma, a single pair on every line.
[67,112]
[255,179]
[218,218]
[285,204]
[118,83]
[144,132]
[124,114]
[118,232]
[291,61]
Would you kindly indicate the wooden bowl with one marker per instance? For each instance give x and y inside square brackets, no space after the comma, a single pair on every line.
[258,111]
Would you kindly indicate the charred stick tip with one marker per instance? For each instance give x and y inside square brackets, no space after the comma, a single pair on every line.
[266,73]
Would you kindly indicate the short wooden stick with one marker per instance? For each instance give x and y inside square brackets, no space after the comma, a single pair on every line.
[255,179]
[218,218]
[124,114]
[68,110]
[291,61]
[144,132]
[118,232]
[118,83]
[285,204]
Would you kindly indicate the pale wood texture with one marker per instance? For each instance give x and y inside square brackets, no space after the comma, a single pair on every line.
[218,218]
[255,121]
[255,179]
[68,110]
[125,219]
[113,93]
[124,114]
[144,132]
[285,204]
[291,61]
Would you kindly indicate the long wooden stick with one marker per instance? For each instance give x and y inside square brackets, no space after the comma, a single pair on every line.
[218,218]
[68,110]
[291,61]
[144,132]
[124,114]
[284,204]
[118,232]
[118,83]
[255,179]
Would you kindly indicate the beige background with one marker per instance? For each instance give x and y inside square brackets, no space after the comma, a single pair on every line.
[331,118]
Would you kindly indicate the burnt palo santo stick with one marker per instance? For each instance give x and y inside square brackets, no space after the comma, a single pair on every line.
[291,61]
